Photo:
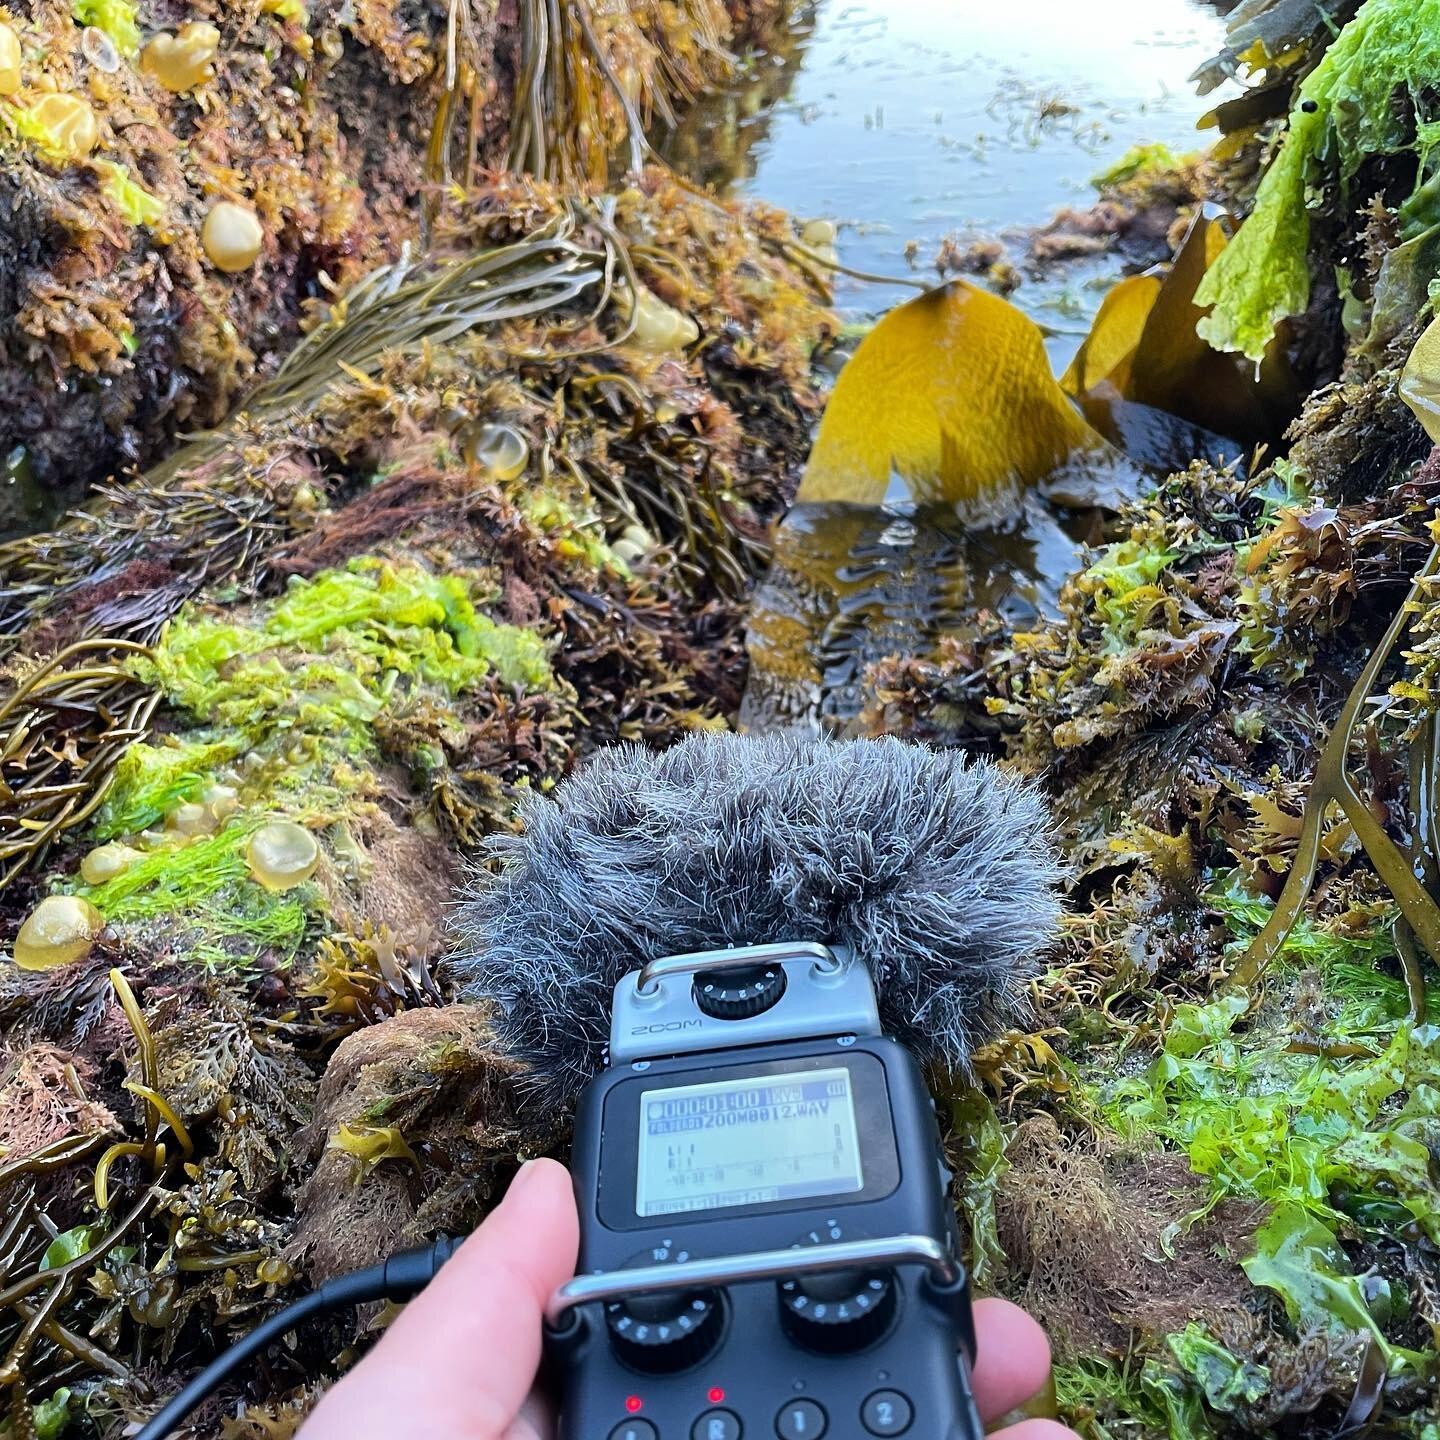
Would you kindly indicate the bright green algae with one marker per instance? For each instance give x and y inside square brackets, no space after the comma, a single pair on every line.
[281,701]
[1345,112]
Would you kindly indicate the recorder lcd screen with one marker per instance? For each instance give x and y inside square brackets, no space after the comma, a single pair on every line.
[747,1142]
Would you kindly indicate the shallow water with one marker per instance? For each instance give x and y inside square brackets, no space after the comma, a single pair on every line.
[912,120]
[909,121]
[850,585]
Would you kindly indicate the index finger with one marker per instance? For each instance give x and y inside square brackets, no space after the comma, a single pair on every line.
[462,1356]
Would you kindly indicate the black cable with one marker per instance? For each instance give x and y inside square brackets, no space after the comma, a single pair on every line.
[401,1277]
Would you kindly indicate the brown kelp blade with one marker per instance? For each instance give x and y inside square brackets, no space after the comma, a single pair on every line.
[1143,349]
[951,395]
[1420,380]
[1108,351]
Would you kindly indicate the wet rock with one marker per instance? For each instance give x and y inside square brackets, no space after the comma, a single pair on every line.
[435,1078]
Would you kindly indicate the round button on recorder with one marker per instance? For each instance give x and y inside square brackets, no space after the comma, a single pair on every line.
[634,1430]
[801,1420]
[717,1425]
[887,1412]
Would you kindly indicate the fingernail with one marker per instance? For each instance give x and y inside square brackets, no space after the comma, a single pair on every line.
[524,1176]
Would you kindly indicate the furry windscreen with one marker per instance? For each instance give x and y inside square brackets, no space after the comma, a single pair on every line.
[938,871]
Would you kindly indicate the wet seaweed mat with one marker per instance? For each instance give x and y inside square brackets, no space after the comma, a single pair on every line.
[517,491]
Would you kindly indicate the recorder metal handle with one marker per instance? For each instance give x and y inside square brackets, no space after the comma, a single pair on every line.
[692,963]
[721,1270]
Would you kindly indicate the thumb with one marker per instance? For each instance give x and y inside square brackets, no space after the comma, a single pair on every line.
[461,1358]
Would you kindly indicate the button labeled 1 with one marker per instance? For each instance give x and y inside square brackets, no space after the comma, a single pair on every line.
[887,1412]
[800,1420]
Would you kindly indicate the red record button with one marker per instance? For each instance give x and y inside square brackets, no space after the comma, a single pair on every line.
[717,1425]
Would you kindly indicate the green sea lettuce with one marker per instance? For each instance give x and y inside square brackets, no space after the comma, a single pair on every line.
[1228,1381]
[117,18]
[1122,582]
[1265,1120]
[1301,1261]
[152,779]
[328,655]
[128,196]
[982,1166]
[50,1417]
[1345,112]
[70,1245]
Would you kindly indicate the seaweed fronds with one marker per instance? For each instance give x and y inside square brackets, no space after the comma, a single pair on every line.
[1333,784]
[591,78]
[64,728]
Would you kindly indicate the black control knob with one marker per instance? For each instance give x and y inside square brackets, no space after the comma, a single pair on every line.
[666,1330]
[837,1311]
[739,994]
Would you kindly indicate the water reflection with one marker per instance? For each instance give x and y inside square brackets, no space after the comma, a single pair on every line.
[717,140]
[25,504]
[908,121]
[911,120]
[850,585]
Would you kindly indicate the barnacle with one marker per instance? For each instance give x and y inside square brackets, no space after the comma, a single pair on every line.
[115,17]
[231,236]
[60,931]
[282,855]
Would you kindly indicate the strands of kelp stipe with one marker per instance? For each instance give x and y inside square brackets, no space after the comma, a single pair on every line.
[583,89]
[63,729]
[1420,915]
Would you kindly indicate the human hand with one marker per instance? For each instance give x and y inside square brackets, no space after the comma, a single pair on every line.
[460,1360]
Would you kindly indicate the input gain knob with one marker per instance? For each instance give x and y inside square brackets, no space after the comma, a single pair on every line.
[739,994]
[836,1311]
[664,1331]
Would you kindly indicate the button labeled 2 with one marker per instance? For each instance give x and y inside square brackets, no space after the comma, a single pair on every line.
[887,1412]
